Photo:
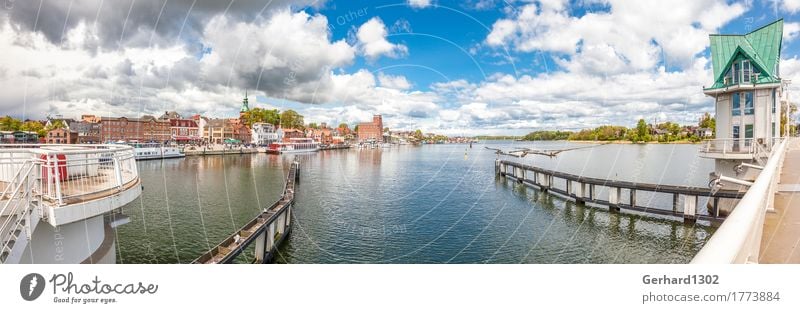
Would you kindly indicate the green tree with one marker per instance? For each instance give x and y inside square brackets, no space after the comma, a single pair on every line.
[259,115]
[34,126]
[641,130]
[706,121]
[291,119]
[313,126]
[785,118]
[418,134]
[8,123]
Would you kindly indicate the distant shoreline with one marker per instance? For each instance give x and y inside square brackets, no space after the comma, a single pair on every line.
[607,141]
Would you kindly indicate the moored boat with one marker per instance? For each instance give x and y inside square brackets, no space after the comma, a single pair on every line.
[295,145]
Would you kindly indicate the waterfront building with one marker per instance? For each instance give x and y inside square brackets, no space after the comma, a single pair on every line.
[61,135]
[215,131]
[286,134]
[372,130]
[263,134]
[240,132]
[184,130]
[88,132]
[747,92]
[6,136]
[146,128]
[24,137]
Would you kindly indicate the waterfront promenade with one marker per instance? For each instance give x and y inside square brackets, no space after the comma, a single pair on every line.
[781,236]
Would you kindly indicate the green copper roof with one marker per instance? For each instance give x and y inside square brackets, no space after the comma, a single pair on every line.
[762,46]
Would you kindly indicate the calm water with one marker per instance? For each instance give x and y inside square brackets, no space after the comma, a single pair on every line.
[427,204]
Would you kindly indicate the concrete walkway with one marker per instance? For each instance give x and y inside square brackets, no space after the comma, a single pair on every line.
[780,242]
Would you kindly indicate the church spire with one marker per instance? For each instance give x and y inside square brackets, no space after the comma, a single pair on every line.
[245,104]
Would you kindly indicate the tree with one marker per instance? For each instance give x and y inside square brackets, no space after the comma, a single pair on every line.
[34,126]
[313,126]
[641,129]
[259,115]
[386,129]
[8,123]
[785,118]
[291,119]
[418,134]
[706,121]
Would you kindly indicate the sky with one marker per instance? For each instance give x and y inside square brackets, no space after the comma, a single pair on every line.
[474,67]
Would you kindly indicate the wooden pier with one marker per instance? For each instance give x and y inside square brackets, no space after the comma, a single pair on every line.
[584,190]
[267,230]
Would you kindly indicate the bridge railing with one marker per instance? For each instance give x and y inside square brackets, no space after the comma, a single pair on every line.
[71,173]
[738,239]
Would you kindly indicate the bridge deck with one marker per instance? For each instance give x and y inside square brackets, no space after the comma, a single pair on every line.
[232,246]
[781,237]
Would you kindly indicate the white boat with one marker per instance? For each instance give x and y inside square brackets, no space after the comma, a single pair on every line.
[295,145]
[156,151]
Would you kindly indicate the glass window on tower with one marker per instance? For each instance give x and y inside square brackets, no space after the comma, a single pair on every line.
[748,103]
[735,104]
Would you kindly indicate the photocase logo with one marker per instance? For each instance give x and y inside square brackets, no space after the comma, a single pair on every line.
[31,286]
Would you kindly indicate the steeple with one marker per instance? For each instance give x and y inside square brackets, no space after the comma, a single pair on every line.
[245,104]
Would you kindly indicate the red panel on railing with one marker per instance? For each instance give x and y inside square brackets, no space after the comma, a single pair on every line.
[60,165]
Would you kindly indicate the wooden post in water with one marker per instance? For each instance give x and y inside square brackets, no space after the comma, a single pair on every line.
[614,195]
[633,198]
[261,248]
[580,194]
[689,209]
[497,167]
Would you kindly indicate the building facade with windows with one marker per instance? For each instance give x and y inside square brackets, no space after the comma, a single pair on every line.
[372,130]
[747,91]
[263,134]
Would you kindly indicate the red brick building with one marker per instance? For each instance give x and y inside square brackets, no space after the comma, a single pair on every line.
[61,136]
[184,130]
[144,129]
[372,130]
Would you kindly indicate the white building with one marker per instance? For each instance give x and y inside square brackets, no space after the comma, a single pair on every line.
[747,91]
[263,134]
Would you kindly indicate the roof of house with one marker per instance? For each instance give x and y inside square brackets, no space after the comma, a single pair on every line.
[762,46]
[182,123]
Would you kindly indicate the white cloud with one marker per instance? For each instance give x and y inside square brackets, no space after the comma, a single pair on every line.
[636,34]
[419,3]
[790,31]
[395,82]
[790,6]
[372,41]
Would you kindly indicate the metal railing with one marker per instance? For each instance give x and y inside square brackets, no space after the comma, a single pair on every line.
[738,239]
[72,173]
[738,145]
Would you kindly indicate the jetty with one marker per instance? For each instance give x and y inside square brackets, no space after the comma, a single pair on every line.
[583,190]
[267,230]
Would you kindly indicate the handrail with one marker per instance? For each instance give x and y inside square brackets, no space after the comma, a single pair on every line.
[738,239]
[73,149]
[71,173]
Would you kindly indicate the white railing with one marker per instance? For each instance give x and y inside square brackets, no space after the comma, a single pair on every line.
[72,173]
[738,239]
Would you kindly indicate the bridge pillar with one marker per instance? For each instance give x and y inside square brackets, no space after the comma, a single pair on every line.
[497,167]
[633,198]
[580,194]
[261,248]
[544,182]
[614,195]
[689,209]
[271,236]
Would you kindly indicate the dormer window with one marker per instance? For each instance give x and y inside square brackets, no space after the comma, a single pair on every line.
[746,71]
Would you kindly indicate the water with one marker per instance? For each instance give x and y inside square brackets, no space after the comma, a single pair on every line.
[427,204]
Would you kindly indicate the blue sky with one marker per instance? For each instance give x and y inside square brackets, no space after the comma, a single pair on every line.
[454,67]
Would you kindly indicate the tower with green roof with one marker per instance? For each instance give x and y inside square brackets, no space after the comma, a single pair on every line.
[245,104]
[747,89]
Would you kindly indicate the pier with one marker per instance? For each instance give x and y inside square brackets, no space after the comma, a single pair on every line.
[685,199]
[267,230]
